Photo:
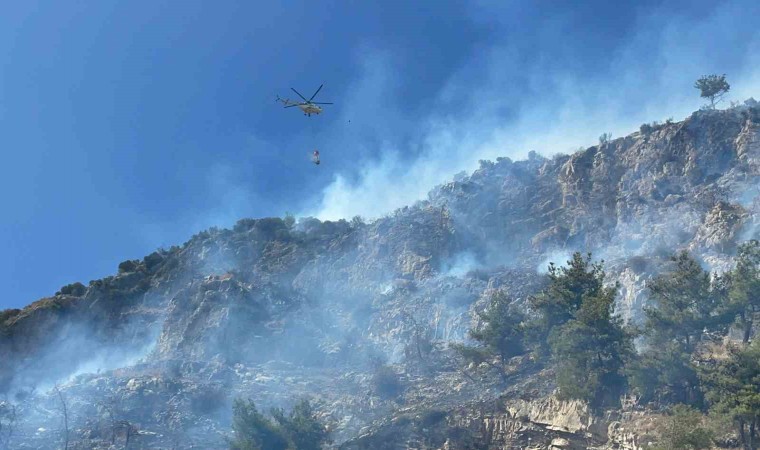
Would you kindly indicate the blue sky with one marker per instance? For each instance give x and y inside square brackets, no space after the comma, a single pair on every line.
[126,126]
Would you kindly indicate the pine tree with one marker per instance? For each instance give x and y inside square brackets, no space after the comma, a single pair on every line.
[300,430]
[743,303]
[732,389]
[576,326]
[712,87]
[590,350]
[500,334]
[305,431]
[502,331]
[665,373]
[558,303]
[253,430]
[683,303]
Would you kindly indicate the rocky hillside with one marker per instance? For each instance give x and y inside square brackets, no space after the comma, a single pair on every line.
[273,309]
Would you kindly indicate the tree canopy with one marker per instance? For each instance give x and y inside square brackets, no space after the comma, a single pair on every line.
[732,388]
[590,349]
[743,302]
[500,334]
[576,326]
[683,303]
[682,430]
[557,304]
[712,87]
[299,430]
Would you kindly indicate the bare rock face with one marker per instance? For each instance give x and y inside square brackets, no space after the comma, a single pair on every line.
[274,309]
[720,227]
[542,423]
[213,318]
[748,141]
[565,416]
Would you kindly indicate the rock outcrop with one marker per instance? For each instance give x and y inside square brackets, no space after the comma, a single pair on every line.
[273,309]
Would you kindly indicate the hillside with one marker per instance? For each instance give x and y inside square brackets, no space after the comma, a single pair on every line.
[276,308]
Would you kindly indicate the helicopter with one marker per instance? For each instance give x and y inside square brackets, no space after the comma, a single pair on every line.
[307,106]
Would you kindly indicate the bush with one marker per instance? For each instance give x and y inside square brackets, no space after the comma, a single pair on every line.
[8,313]
[152,260]
[357,221]
[387,384]
[300,430]
[289,220]
[208,400]
[272,228]
[732,389]
[244,225]
[647,128]
[485,164]
[432,417]
[76,289]
[500,334]
[303,429]
[638,264]
[682,430]
[129,266]
[479,274]
[253,430]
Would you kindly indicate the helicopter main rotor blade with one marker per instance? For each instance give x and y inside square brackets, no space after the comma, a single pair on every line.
[320,103]
[299,94]
[315,94]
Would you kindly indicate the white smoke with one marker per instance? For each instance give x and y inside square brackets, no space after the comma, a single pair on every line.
[649,78]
